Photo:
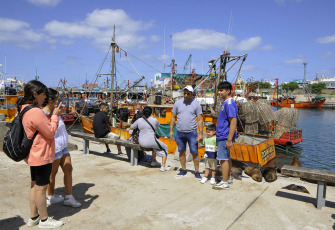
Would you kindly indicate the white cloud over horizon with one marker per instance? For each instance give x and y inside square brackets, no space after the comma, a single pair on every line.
[20,33]
[249,43]
[326,40]
[297,60]
[44,2]
[200,39]
[99,26]
[327,55]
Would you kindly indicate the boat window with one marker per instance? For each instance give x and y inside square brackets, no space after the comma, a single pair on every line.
[156,112]
[163,113]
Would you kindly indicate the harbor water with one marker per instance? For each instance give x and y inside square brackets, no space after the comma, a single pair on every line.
[318,148]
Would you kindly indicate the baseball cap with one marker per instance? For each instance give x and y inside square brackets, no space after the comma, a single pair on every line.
[189,88]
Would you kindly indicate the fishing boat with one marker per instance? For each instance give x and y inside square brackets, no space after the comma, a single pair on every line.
[10,91]
[290,101]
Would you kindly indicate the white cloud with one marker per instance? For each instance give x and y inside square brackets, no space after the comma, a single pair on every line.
[267,47]
[44,2]
[298,60]
[200,39]
[325,40]
[155,38]
[327,55]
[283,2]
[20,33]
[161,58]
[249,68]
[249,43]
[99,26]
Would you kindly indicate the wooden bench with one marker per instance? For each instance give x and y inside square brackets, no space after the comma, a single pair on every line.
[321,176]
[88,137]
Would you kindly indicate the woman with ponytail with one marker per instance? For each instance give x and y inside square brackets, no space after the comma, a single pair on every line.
[42,151]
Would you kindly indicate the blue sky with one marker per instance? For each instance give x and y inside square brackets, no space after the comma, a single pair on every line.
[70,38]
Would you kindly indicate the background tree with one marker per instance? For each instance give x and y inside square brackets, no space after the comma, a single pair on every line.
[291,86]
[317,88]
[260,85]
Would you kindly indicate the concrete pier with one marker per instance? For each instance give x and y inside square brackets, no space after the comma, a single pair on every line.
[115,195]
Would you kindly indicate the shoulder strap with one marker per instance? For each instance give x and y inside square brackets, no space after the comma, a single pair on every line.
[149,124]
[23,112]
[159,145]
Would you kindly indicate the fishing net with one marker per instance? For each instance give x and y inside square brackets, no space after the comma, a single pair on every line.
[287,119]
[266,114]
[248,114]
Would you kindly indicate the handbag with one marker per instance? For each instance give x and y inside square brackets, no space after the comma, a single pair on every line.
[156,135]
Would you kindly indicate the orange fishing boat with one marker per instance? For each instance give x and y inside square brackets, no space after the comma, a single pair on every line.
[316,102]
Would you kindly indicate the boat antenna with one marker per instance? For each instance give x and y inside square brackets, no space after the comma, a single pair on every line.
[113,44]
[230,28]
[164,46]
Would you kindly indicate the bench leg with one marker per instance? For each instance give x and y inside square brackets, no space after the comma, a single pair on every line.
[134,157]
[321,194]
[86,146]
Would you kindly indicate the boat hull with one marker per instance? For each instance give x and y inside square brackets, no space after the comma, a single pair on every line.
[305,104]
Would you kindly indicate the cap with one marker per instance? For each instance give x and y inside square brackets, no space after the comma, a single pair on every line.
[189,88]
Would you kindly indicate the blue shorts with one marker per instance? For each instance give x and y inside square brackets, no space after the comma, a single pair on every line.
[59,154]
[190,138]
[223,153]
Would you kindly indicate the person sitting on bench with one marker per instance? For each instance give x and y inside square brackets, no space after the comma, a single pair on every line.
[102,126]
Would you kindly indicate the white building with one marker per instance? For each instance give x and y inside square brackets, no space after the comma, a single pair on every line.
[330,82]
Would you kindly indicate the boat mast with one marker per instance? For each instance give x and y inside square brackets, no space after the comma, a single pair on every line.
[222,74]
[113,44]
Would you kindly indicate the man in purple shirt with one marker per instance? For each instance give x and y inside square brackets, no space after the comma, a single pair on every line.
[226,133]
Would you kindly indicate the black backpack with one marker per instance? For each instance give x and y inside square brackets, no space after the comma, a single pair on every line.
[16,145]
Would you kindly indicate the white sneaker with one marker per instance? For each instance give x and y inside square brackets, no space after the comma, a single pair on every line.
[167,168]
[72,202]
[204,180]
[155,164]
[55,199]
[212,181]
[32,222]
[230,180]
[220,186]
[50,223]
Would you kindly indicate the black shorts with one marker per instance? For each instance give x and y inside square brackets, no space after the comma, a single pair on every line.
[41,174]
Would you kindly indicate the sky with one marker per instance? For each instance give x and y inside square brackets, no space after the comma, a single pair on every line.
[57,39]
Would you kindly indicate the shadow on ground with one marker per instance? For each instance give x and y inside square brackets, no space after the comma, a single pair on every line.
[58,211]
[122,157]
[12,223]
[302,198]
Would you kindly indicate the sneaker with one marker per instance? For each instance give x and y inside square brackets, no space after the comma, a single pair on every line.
[121,153]
[55,199]
[155,164]
[182,172]
[72,202]
[220,186]
[32,222]
[167,168]
[204,180]
[197,175]
[50,223]
[212,181]
[230,180]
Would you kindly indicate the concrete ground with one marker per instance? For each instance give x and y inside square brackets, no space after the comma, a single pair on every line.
[115,195]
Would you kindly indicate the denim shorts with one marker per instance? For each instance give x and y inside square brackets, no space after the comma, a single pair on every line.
[223,153]
[190,138]
[59,154]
